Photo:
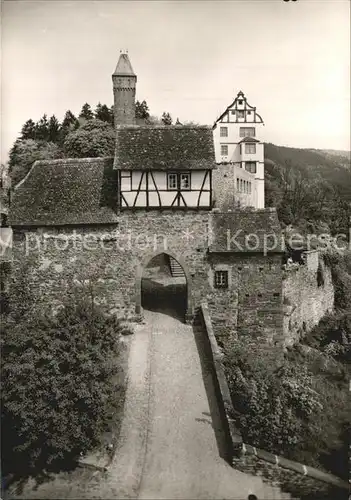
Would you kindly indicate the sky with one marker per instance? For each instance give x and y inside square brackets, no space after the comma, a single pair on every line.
[291,59]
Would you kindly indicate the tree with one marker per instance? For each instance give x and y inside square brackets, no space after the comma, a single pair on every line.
[42,129]
[58,384]
[69,123]
[25,152]
[103,113]
[28,130]
[166,118]
[53,129]
[93,139]
[142,110]
[86,112]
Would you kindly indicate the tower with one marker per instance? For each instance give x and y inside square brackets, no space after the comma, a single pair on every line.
[124,83]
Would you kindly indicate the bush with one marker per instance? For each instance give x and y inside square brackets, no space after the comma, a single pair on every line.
[57,385]
[283,407]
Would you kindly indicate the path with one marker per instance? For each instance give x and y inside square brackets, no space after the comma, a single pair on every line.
[172,442]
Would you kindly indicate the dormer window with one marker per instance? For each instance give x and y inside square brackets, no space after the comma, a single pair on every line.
[250,149]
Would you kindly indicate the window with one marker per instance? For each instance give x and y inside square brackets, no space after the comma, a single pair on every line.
[247,132]
[241,185]
[249,187]
[221,279]
[241,114]
[172,181]
[223,131]
[233,112]
[224,149]
[240,101]
[185,181]
[178,181]
[250,149]
[249,112]
[237,184]
[250,166]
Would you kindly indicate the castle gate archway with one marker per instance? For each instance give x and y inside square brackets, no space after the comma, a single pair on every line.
[163,284]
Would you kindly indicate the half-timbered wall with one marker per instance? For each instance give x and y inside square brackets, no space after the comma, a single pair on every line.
[154,189]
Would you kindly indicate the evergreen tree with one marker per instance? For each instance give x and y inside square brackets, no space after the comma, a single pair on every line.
[42,129]
[53,129]
[69,124]
[86,112]
[142,110]
[28,130]
[166,118]
[103,113]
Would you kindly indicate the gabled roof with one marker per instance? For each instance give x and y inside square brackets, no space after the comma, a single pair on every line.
[164,148]
[124,67]
[248,231]
[240,95]
[66,191]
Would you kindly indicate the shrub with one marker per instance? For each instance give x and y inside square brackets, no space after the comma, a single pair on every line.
[282,406]
[57,385]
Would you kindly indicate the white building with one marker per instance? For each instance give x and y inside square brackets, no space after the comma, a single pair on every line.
[240,154]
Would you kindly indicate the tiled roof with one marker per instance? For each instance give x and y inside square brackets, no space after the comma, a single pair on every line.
[164,148]
[245,231]
[124,67]
[66,191]
[249,139]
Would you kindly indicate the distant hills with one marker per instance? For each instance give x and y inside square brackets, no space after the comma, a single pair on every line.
[309,185]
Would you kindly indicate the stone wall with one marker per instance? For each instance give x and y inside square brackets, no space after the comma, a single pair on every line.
[308,294]
[112,259]
[252,305]
[113,256]
[301,481]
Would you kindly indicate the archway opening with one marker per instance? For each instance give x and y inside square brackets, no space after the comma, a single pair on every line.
[164,287]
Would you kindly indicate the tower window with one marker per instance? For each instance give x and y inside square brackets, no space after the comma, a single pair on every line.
[247,132]
[250,148]
[223,131]
[250,166]
[224,149]
[221,279]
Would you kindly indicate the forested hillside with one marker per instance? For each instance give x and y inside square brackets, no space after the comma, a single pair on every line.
[310,188]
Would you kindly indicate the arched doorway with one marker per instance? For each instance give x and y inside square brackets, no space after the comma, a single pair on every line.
[163,284]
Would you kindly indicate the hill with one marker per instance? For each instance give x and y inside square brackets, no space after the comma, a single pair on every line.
[309,187]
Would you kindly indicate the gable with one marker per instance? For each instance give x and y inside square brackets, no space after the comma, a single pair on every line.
[239,104]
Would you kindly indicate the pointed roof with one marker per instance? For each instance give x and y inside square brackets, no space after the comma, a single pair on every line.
[124,68]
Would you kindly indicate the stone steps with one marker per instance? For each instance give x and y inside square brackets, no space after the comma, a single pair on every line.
[176,268]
